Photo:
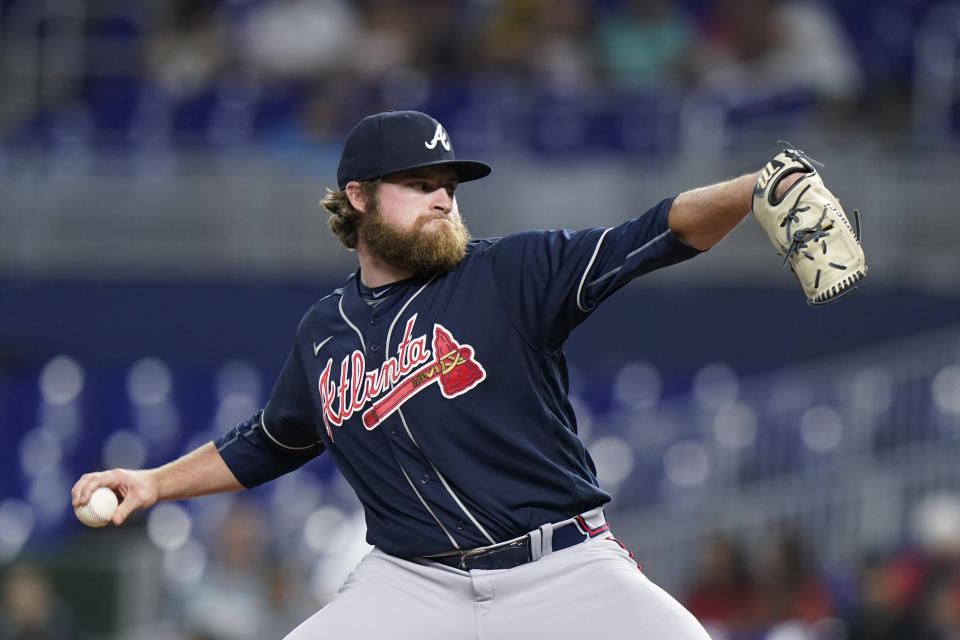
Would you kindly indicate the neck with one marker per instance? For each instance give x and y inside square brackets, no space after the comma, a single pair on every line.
[374,272]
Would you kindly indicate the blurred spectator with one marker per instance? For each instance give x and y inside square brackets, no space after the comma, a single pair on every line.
[646,43]
[943,611]
[790,584]
[545,42]
[189,49]
[724,596]
[936,526]
[31,609]
[443,39]
[886,608]
[389,39]
[770,46]
[245,594]
[301,39]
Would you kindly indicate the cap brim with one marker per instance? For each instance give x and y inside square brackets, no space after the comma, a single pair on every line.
[467,170]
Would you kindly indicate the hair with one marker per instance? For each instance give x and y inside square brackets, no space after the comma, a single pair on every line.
[344,219]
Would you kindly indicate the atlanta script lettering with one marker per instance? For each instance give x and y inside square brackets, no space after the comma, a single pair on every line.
[400,377]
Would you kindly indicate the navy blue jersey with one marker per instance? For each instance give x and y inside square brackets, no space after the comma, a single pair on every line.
[445,405]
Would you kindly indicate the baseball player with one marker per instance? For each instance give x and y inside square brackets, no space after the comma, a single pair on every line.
[435,377]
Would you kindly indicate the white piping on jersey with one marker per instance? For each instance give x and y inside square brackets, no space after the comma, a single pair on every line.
[317,347]
[285,446]
[427,507]
[444,481]
[437,471]
[629,255]
[352,326]
[403,308]
[404,471]
[596,250]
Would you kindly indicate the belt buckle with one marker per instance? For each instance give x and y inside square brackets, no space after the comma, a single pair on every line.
[470,554]
[473,553]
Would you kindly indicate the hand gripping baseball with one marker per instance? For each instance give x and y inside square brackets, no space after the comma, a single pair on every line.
[136,489]
[809,229]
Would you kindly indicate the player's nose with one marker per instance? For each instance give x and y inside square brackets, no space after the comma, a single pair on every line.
[442,201]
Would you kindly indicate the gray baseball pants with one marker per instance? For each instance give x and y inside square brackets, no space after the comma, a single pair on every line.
[593,589]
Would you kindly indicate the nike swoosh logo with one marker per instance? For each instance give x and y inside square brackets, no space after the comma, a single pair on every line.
[377,295]
[317,347]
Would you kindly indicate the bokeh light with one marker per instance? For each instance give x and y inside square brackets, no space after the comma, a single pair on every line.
[16,524]
[821,428]
[232,410]
[715,386]
[735,426]
[323,530]
[332,569]
[614,459]
[871,390]
[49,494]
[238,378]
[169,526]
[584,417]
[124,449]
[159,424]
[61,380]
[945,389]
[40,452]
[186,563]
[295,496]
[637,386]
[149,382]
[62,421]
[935,523]
[686,464]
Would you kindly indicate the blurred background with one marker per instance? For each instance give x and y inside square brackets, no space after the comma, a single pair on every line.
[786,472]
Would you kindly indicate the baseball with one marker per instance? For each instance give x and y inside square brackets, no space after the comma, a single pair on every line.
[99,509]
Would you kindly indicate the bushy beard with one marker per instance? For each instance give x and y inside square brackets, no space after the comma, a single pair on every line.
[422,253]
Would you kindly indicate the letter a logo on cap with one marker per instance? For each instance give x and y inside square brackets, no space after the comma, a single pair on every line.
[439,136]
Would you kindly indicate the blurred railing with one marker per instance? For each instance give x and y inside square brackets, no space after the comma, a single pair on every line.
[842,451]
[935,96]
[248,215]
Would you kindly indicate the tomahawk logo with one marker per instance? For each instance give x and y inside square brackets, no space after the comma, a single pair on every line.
[414,368]
[440,135]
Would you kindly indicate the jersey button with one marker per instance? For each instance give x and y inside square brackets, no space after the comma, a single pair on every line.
[375,320]
[395,429]
[424,479]
[375,348]
[461,524]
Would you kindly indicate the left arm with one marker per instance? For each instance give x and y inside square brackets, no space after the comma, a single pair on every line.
[700,218]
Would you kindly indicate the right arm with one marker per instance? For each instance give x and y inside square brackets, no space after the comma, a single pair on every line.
[200,472]
[246,456]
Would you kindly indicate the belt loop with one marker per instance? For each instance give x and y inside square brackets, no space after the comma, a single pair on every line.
[536,547]
[595,517]
[546,538]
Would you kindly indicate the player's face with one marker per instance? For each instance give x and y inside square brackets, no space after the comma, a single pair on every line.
[406,198]
[414,222]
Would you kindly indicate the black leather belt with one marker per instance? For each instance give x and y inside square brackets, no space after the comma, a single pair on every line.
[517,552]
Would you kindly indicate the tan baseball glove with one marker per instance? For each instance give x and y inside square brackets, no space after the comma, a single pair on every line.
[809,228]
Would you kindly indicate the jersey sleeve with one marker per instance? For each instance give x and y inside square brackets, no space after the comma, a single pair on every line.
[552,280]
[278,439]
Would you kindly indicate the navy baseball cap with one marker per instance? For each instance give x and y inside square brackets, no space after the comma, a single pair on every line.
[394,141]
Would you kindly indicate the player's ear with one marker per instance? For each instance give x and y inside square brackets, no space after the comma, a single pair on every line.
[356,195]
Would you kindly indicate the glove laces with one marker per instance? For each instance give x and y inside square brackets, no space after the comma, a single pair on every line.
[798,154]
[803,237]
